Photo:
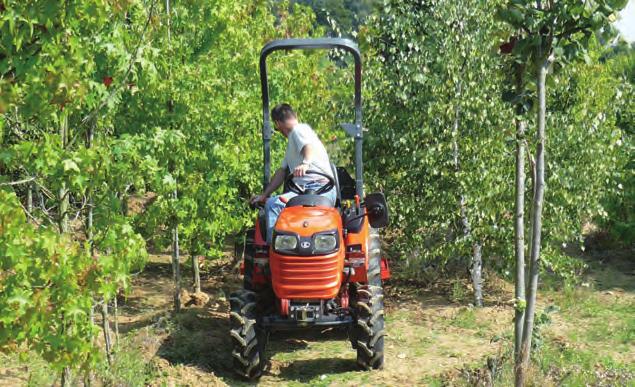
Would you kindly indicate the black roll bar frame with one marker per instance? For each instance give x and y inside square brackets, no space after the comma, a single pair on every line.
[354,130]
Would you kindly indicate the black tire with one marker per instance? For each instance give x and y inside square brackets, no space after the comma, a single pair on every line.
[249,252]
[248,340]
[374,258]
[368,329]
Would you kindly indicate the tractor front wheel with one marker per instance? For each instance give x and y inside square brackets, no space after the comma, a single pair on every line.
[368,330]
[248,349]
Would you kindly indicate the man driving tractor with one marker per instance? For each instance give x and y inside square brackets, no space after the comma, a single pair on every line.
[304,152]
[322,265]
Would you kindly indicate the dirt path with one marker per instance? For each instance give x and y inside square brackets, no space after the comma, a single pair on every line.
[427,336]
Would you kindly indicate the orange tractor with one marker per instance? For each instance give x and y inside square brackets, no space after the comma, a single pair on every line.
[324,267]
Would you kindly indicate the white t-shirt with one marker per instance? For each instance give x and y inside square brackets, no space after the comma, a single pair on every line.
[300,136]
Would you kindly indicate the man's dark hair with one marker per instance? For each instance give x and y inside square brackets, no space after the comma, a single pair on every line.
[282,112]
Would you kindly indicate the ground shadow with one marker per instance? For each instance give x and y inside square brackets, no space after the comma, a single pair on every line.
[609,268]
[200,338]
[306,370]
[150,298]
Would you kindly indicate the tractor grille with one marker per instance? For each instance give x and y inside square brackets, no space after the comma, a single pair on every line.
[306,277]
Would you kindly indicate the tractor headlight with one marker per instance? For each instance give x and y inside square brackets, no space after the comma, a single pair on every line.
[286,242]
[324,242]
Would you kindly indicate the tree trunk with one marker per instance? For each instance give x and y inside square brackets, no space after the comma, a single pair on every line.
[476,271]
[105,324]
[519,228]
[476,262]
[89,223]
[30,185]
[536,225]
[176,268]
[89,215]
[63,200]
[196,273]
[29,198]
[66,377]
[115,308]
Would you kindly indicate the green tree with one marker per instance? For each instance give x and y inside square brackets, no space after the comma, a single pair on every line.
[342,18]
[620,207]
[546,33]
[437,132]
[199,109]
[57,66]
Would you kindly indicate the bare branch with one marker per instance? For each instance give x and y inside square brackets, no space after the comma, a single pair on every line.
[28,213]
[18,182]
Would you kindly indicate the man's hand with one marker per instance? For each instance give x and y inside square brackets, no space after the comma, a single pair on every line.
[300,170]
[258,199]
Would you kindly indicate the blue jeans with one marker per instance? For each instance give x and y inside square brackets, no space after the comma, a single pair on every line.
[273,206]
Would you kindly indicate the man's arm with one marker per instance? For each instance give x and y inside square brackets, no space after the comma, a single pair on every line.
[307,155]
[276,181]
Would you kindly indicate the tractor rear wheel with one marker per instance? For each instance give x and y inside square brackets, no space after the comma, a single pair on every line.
[374,258]
[248,340]
[368,330]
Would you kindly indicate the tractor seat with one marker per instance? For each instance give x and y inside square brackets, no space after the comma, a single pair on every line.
[309,201]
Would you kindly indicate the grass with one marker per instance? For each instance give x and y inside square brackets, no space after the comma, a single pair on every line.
[25,368]
[128,365]
[465,318]
[609,318]
[578,348]
[584,336]
[553,364]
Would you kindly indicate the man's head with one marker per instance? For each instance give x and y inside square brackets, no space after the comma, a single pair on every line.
[284,118]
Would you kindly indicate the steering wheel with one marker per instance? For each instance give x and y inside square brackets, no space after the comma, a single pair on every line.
[293,187]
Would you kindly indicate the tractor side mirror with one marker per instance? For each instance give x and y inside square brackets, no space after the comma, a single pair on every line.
[377,210]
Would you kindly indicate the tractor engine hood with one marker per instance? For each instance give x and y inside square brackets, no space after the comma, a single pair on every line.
[307,221]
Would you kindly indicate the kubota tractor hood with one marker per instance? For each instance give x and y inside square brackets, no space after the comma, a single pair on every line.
[306,221]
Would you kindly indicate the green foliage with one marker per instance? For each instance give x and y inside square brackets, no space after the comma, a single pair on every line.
[429,61]
[588,150]
[170,103]
[55,62]
[200,112]
[562,28]
[46,290]
[341,17]
[431,85]
[586,153]
[620,207]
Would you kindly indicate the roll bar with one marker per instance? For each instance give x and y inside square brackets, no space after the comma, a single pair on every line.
[354,130]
